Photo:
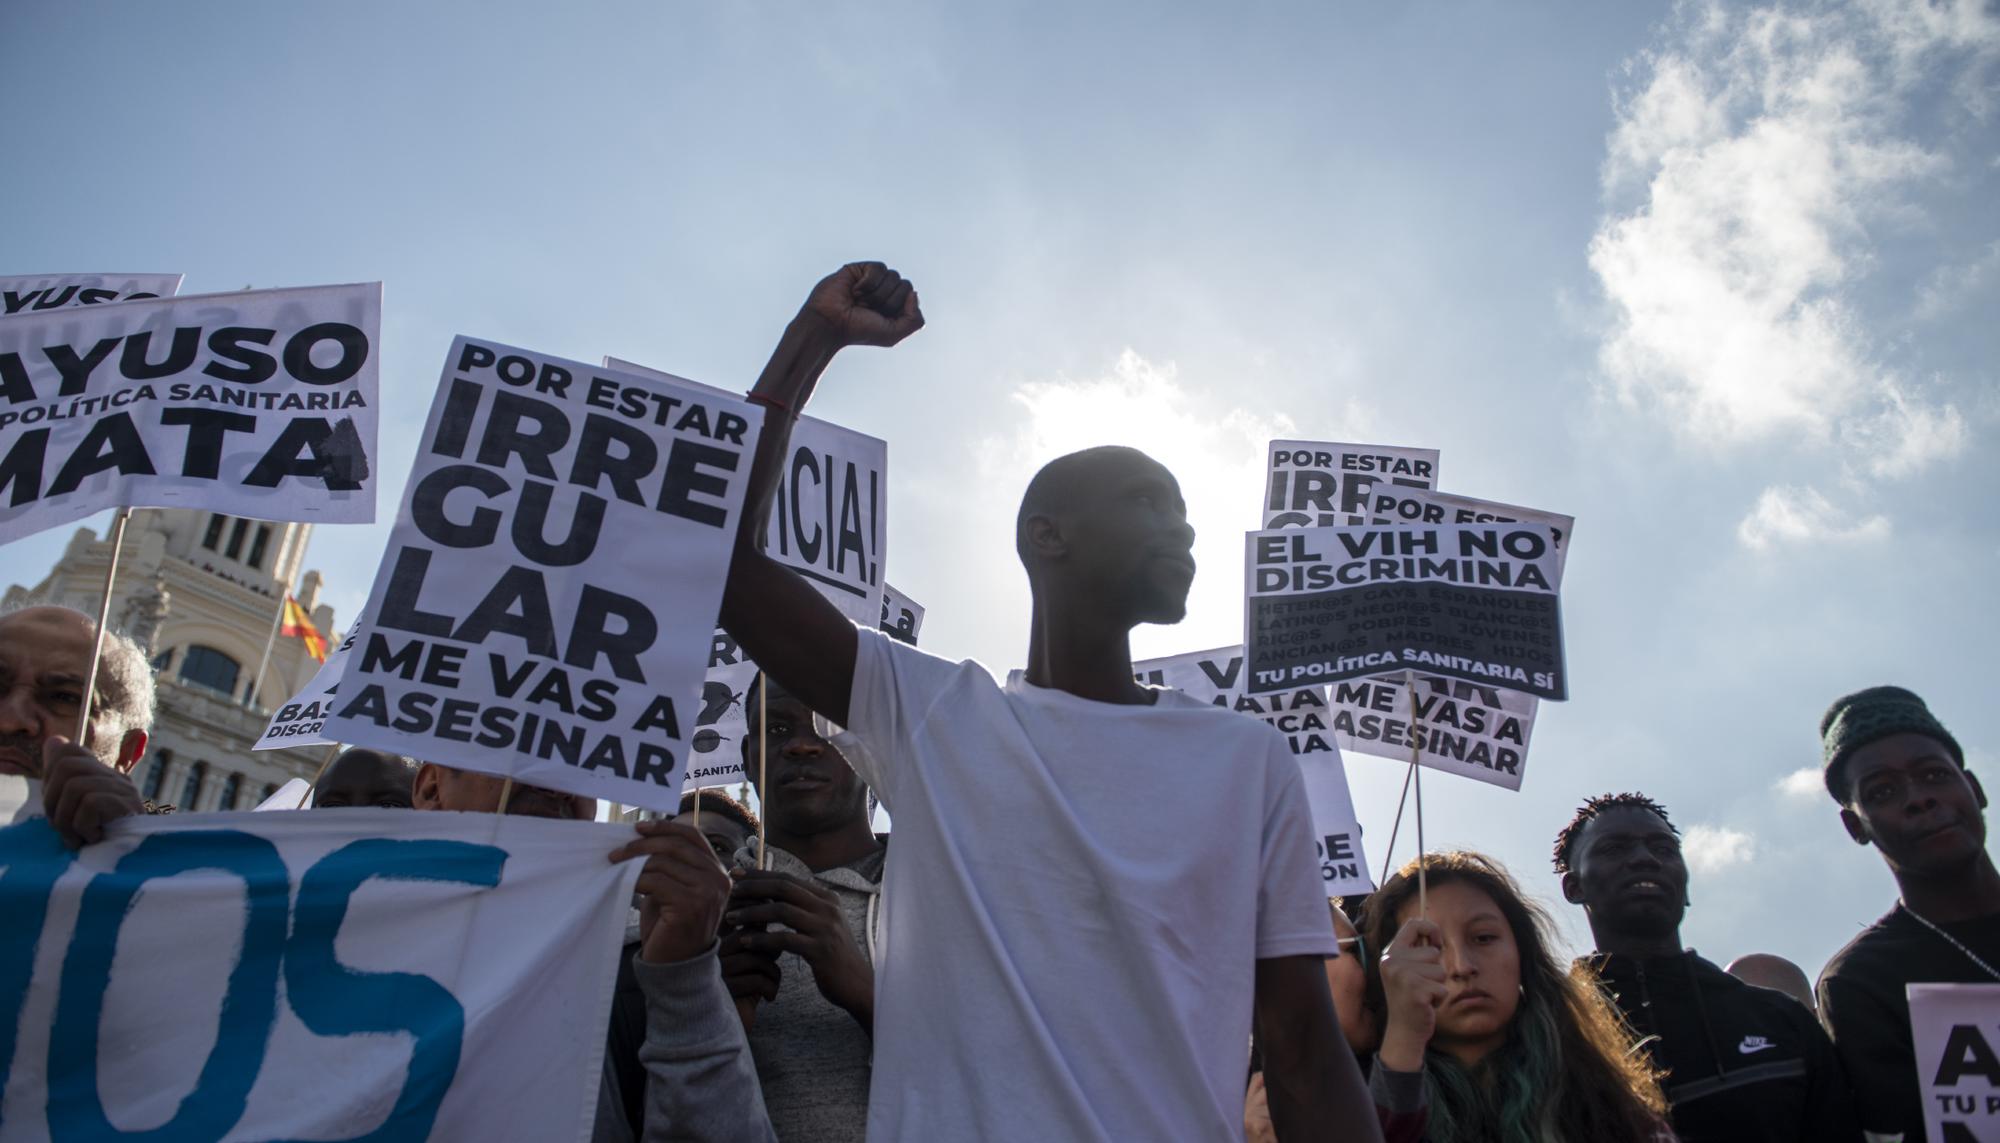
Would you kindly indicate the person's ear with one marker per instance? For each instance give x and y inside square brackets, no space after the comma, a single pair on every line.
[1572,888]
[1045,538]
[1978,791]
[424,793]
[1856,828]
[132,747]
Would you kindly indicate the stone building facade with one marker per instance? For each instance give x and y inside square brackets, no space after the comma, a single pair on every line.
[200,591]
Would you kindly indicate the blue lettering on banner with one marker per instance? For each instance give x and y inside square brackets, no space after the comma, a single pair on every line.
[329,998]
[334,1000]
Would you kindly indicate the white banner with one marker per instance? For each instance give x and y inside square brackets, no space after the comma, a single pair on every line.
[259,404]
[1469,729]
[1474,601]
[33,293]
[1217,677]
[302,718]
[503,634]
[309,976]
[1317,484]
[1956,1031]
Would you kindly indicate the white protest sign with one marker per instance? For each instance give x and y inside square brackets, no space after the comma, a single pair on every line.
[1955,1029]
[290,796]
[829,518]
[1317,484]
[544,606]
[299,721]
[259,404]
[1471,729]
[1472,601]
[1217,677]
[829,523]
[342,974]
[902,617]
[724,720]
[33,293]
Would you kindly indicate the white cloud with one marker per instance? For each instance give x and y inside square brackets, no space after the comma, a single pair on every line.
[1802,785]
[1712,849]
[1950,287]
[1747,166]
[1788,514]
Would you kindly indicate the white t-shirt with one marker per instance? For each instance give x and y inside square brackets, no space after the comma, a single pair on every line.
[1076,897]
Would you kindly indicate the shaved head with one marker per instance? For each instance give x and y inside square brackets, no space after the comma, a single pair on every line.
[1768,970]
[1065,482]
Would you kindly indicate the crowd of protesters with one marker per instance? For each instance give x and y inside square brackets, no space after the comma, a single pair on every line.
[1063,946]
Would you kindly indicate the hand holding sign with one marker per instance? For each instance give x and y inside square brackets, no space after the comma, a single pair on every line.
[864,303]
[682,891]
[1413,985]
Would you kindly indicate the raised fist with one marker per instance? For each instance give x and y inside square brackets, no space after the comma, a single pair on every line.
[864,303]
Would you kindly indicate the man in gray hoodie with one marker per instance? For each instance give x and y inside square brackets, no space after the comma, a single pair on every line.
[806,984]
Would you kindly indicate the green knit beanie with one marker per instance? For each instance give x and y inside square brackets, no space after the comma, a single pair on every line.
[1855,720]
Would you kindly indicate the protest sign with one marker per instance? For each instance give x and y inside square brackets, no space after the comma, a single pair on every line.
[357,974]
[299,721]
[492,644]
[902,617]
[1955,1029]
[829,518]
[1470,729]
[34,293]
[1216,677]
[1317,484]
[1471,601]
[718,742]
[259,404]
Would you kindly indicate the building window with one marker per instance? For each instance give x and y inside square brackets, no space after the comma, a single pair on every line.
[213,536]
[161,660]
[231,790]
[156,775]
[191,789]
[234,549]
[208,667]
[258,544]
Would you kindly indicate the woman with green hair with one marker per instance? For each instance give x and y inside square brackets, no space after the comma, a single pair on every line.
[1486,1037]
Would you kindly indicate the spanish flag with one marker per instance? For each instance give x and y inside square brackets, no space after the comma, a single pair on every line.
[300,625]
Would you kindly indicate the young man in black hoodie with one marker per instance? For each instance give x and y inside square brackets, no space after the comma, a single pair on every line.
[1902,785]
[1742,1063]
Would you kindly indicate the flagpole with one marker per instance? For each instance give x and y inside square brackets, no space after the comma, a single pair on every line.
[118,523]
[271,640]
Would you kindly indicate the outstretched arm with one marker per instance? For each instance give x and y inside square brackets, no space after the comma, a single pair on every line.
[780,620]
[1312,1083]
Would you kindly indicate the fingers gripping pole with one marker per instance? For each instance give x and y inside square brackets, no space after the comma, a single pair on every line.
[103,617]
[1417,784]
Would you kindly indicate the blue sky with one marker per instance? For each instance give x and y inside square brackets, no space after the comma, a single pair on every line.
[1718,280]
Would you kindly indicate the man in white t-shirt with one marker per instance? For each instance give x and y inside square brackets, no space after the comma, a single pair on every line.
[1095,886]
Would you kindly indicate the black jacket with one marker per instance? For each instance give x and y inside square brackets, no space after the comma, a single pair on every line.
[1742,1063]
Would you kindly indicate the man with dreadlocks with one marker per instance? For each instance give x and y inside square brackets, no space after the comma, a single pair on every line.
[1742,1063]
